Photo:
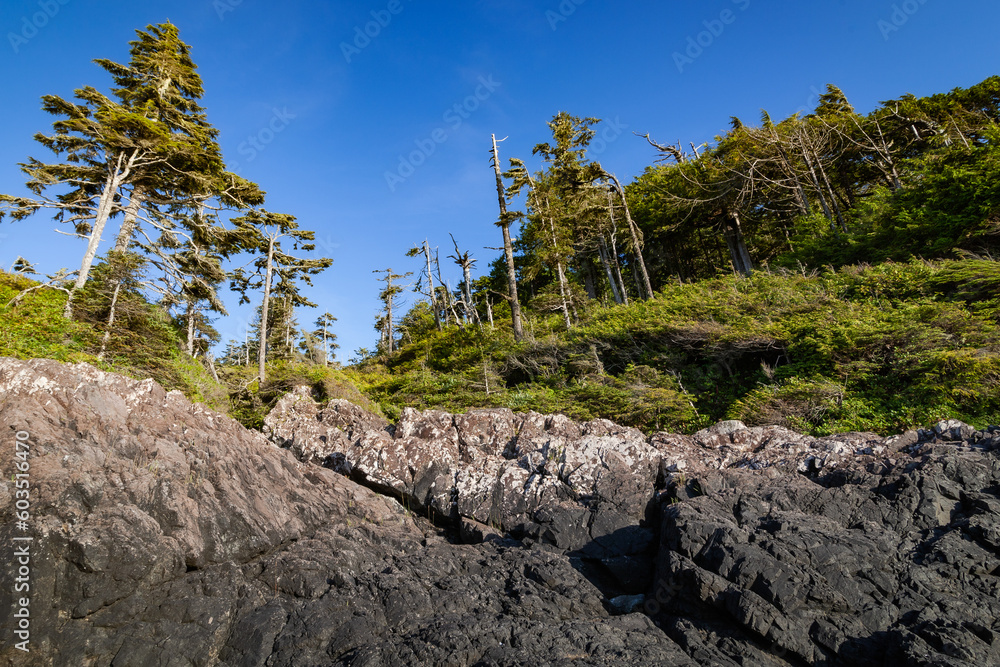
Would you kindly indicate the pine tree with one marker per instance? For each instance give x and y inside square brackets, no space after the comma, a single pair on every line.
[325,337]
[385,323]
[260,231]
[149,145]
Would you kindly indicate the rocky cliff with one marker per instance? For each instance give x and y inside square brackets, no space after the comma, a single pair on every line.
[164,534]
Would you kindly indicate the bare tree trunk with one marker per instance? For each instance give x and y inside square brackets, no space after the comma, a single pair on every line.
[288,326]
[559,268]
[210,362]
[603,253]
[469,305]
[131,219]
[128,227]
[445,299]
[508,249]
[211,366]
[326,343]
[114,180]
[433,289]
[815,179]
[800,193]
[636,240]
[833,195]
[613,237]
[464,261]
[190,327]
[111,323]
[737,245]
[886,151]
[617,268]
[262,353]
[451,303]
[563,295]
[563,290]
[116,175]
[388,318]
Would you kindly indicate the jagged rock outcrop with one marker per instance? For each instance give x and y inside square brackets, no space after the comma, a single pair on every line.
[581,488]
[587,489]
[889,563]
[164,534]
[774,547]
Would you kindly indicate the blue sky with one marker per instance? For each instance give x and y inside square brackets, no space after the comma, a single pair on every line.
[379,140]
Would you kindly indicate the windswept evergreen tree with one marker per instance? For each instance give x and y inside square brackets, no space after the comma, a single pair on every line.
[326,339]
[147,148]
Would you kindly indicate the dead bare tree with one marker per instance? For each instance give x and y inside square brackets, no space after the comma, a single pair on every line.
[508,247]
[464,260]
[431,292]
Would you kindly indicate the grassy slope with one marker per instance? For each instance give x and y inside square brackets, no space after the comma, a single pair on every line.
[875,348]
[36,328]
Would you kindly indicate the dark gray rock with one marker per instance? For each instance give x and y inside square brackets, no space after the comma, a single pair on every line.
[575,487]
[165,534]
[874,564]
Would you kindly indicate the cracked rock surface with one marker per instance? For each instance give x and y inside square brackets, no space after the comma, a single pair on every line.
[165,534]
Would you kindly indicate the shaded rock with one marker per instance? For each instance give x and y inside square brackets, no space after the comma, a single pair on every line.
[164,534]
[872,564]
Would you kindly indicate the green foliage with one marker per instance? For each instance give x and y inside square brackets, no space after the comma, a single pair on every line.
[950,206]
[250,402]
[144,344]
[879,348]
[35,327]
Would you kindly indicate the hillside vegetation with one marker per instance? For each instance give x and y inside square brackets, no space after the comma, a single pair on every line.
[828,271]
[879,348]
[146,342]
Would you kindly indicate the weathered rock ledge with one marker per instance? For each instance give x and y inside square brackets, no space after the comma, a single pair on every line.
[165,534]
